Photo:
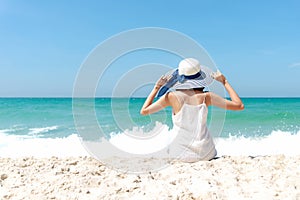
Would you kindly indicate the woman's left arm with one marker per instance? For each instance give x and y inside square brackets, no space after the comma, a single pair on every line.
[149,107]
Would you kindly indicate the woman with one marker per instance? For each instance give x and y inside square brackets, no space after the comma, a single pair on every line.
[189,106]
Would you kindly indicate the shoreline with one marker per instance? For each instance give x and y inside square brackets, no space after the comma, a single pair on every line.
[227,177]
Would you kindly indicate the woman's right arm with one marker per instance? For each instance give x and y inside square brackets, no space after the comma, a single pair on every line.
[234,104]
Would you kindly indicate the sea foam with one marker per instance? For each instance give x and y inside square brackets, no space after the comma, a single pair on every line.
[278,142]
[19,146]
[36,131]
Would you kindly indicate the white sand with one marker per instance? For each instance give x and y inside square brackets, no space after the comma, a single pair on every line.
[267,177]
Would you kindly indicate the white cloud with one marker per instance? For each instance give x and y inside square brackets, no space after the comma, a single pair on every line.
[294,65]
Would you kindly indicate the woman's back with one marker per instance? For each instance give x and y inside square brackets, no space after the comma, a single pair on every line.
[190,97]
[193,141]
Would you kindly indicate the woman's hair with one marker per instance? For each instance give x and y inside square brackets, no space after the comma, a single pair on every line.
[199,89]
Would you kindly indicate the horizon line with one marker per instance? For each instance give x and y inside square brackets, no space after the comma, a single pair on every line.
[70,97]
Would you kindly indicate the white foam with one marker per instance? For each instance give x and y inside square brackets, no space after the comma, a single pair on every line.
[138,142]
[4,131]
[20,146]
[36,131]
[278,142]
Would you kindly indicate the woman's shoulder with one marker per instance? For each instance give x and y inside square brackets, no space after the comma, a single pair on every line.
[175,93]
[175,98]
[172,95]
[188,96]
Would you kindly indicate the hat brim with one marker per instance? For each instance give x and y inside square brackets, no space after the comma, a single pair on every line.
[202,81]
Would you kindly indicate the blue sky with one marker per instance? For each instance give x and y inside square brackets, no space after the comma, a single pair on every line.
[43,43]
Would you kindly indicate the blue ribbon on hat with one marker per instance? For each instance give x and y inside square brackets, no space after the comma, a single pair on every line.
[174,79]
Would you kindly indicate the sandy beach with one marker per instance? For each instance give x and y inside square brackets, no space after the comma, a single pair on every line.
[239,177]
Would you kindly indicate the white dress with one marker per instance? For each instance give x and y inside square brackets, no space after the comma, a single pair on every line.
[193,141]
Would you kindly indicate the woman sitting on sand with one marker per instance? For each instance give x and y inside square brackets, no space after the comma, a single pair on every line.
[189,104]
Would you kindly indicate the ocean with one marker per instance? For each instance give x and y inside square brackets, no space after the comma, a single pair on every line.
[45,127]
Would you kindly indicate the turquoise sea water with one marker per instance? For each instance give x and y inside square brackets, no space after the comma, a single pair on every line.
[52,118]
[23,116]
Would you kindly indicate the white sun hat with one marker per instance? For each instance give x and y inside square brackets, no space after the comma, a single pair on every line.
[189,75]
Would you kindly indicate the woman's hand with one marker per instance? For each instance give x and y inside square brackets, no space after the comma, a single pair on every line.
[162,80]
[150,107]
[234,104]
[219,77]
